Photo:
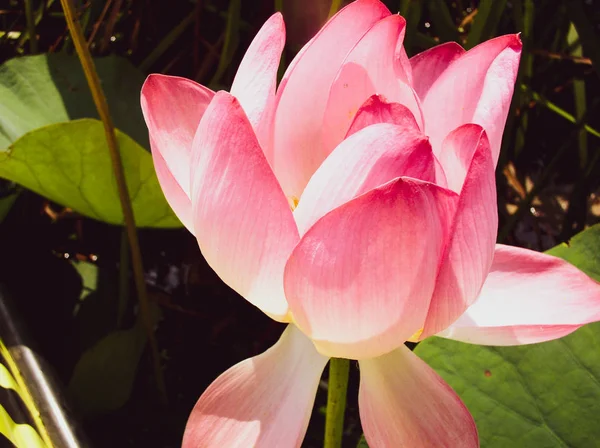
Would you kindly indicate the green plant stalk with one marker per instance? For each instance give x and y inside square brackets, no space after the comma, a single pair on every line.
[334,8]
[102,106]
[167,41]
[33,44]
[554,108]
[336,402]
[123,279]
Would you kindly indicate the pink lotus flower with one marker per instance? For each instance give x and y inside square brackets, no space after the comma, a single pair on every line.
[357,203]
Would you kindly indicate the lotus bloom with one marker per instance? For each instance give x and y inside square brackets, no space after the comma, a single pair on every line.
[356,202]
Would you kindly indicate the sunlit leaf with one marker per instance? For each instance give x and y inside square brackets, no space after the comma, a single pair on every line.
[36,91]
[69,163]
[541,395]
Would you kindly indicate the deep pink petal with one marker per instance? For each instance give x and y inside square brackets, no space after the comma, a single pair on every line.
[476,88]
[256,79]
[376,109]
[265,401]
[303,92]
[242,219]
[528,297]
[360,280]
[366,160]
[430,64]
[372,67]
[470,250]
[404,403]
[172,108]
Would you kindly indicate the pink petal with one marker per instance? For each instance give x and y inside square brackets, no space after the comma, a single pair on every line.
[372,67]
[430,64]
[528,297]
[376,109]
[476,88]
[404,403]
[302,95]
[256,79]
[242,219]
[172,109]
[470,251]
[360,280]
[265,401]
[177,198]
[366,160]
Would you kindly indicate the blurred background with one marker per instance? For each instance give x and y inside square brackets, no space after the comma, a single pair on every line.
[69,274]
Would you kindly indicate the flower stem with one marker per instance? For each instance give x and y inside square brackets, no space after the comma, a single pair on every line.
[95,86]
[336,402]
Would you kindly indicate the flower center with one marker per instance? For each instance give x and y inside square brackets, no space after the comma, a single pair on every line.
[415,337]
[293,201]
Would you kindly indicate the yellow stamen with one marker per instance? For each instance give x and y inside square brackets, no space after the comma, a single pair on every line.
[415,337]
[293,201]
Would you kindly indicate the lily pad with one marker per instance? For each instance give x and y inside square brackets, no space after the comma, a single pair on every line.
[541,395]
[69,163]
[104,375]
[39,90]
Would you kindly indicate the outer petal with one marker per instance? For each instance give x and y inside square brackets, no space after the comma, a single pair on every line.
[377,109]
[256,78]
[242,219]
[404,403]
[430,64]
[366,160]
[360,280]
[528,297]
[265,401]
[476,88]
[470,251]
[172,109]
[299,115]
[373,66]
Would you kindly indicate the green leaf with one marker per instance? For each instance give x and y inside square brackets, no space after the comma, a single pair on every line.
[583,251]
[485,22]
[103,377]
[586,31]
[36,91]
[232,37]
[69,163]
[540,395]
[362,442]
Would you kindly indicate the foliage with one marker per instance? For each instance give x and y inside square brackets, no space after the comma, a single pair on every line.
[51,143]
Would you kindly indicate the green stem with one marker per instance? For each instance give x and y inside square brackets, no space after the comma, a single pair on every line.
[109,129]
[334,8]
[336,402]
[33,44]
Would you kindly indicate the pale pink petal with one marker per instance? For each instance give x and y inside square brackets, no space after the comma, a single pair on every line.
[265,401]
[476,88]
[470,251]
[404,403]
[528,297]
[372,67]
[366,160]
[360,280]
[256,79]
[174,194]
[303,92]
[242,220]
[172,108]
[430,64]
[376,109]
